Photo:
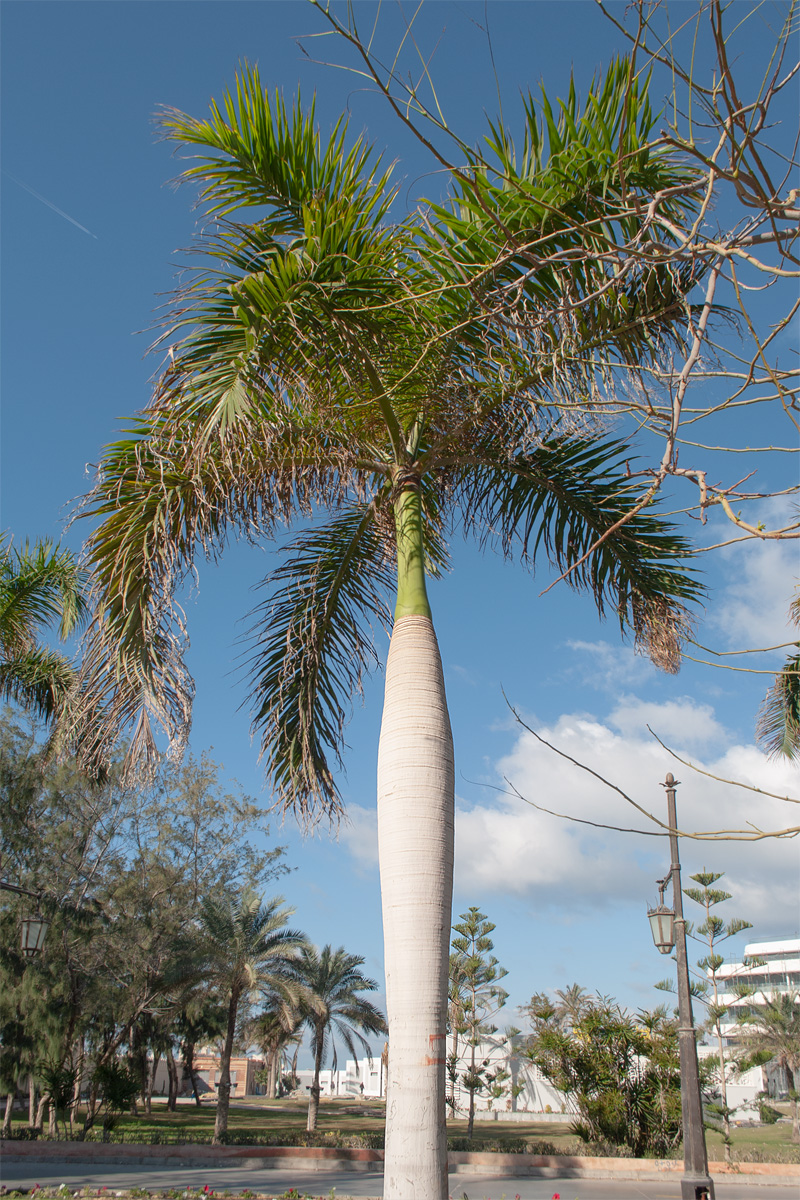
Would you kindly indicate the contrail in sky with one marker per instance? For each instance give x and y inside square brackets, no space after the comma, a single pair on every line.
[50,204]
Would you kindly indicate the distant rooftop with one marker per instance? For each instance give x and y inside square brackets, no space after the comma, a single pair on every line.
[785,948]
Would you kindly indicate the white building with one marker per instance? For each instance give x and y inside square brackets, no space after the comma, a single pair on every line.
[519,1085]
[363,1078]
[768,969]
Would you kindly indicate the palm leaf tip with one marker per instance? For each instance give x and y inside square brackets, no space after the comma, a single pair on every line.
[313,645]
[660,628]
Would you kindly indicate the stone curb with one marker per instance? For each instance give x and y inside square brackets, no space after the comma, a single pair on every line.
[323,1158]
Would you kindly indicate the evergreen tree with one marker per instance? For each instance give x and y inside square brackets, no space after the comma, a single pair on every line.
[479,973]
[713,931]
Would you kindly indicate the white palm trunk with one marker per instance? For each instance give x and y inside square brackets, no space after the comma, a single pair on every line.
[415,835]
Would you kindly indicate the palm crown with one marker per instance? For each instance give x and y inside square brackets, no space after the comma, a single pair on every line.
[334,979]
[403,378]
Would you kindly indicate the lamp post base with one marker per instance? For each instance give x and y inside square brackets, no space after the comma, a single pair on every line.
[695,1187]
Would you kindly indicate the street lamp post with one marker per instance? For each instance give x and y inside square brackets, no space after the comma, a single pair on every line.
[669,927]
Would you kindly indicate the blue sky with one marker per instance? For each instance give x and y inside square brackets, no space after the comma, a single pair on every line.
[91,231]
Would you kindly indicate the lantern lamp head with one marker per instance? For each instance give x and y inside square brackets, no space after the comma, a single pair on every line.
[662,927]
[34,931]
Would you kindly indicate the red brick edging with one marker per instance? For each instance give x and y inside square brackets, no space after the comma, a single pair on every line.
[325,1158]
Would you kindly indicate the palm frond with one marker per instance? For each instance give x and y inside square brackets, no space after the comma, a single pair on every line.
[778,728]
[552,244]
[562,498]
[258,152]
[40,585]
[312,649]
[160,503]
[334,978]
[39,680]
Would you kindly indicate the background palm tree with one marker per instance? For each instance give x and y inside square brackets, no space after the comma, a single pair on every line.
[41,586]
[334,981]
[246,946]
[770,1032]
[275,1028]
[778,729]
[390,381]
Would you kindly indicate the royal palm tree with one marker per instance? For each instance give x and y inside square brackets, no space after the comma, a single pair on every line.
[334,981]
[246,947]
[386,382]
[41,586]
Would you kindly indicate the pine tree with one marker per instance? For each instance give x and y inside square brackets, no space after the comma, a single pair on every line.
[478,974]
[708,988]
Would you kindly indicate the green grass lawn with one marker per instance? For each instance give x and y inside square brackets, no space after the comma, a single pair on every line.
[276,1117]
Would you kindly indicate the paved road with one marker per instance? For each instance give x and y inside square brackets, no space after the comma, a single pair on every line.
[354,1184]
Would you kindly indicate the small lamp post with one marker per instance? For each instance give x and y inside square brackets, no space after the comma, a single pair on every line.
[34,929]
[669,929]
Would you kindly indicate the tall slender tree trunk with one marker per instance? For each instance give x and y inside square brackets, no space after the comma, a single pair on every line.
[189,1072]
[453,1072]
[80,1059]
[723,1084]
[792,1089]
[151,1082]
[224,1085]
[31,1101]
[273,1071]
[313,1100]
[471,1117]
[9,1111]
[415,840]
[172,1080]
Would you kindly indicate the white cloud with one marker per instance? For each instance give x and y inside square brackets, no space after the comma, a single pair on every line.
[504,846]
[609,668]
[750,610]
[359,832]
[687,722]
[507,846]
